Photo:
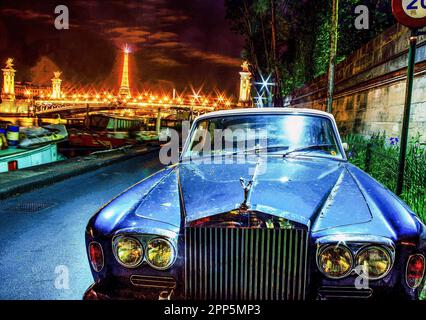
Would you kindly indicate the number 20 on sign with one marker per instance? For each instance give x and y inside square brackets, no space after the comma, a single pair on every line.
[412,6]
[410,13]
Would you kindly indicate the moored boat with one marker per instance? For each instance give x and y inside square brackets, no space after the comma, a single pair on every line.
[12,159]
[105,131]
[32,137]
[147,136]
[30,146]
[97,140]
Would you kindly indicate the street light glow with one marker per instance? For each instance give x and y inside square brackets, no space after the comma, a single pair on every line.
[265,83]
[126,49]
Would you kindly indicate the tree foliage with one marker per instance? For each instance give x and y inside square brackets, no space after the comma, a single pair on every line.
[302,35]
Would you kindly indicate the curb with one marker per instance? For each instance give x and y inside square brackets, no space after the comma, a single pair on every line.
[42,180]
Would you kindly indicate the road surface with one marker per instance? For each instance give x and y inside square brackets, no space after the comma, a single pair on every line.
[42,232]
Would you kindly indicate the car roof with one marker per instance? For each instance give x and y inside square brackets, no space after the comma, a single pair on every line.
[234,112]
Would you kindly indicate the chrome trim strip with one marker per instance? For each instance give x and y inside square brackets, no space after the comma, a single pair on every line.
[262,264]
[205,263]
[211,264]
[345,292]
[302,249]
[246,243]
[200,260]
[234,289]
[295,264]
[271,293]
[226,263]
[289,266]
[195,258]
[305,278]
[284,265]
[186,264]
[154,282]
[250,285]
[215,268]
[220,264]
[277,291]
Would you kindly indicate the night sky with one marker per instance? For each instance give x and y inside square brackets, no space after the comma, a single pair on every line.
[174,43]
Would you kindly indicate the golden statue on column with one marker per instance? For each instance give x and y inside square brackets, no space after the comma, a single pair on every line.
[245,85]
[8,92]
[56,85]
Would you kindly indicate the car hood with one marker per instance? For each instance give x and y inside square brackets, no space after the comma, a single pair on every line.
[315,191]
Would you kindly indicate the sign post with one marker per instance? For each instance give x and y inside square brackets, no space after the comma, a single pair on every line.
[412,14]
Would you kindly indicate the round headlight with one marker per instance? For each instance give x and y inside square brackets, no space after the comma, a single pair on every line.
[375,262]
[128,251]
[160,253]
[335,261]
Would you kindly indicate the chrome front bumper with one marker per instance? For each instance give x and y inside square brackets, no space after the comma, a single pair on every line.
[98,291]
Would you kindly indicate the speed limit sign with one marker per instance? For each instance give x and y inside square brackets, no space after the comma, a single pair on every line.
[410,13]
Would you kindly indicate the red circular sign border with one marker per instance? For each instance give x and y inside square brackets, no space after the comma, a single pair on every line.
[405,19]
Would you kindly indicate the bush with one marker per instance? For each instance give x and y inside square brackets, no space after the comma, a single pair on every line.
[379,157]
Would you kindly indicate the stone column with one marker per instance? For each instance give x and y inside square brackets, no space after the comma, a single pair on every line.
[245,85]
[8,92]
[56,86]
[8,104]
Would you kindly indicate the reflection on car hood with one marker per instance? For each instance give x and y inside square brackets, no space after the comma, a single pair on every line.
[311,189]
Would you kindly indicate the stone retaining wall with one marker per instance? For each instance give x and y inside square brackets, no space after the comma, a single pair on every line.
[370,87]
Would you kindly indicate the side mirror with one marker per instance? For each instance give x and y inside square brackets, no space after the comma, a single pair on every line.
[345,146]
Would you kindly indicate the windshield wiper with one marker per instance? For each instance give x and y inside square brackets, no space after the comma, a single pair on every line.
[260,149]
[276,148]
[308,148]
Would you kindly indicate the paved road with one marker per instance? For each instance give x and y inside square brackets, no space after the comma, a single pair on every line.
[37,247]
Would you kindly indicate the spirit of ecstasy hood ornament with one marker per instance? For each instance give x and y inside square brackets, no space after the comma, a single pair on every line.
[245,205]
[247,187]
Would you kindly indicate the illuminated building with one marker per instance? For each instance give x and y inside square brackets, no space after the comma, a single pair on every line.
[28,89]
[124,91]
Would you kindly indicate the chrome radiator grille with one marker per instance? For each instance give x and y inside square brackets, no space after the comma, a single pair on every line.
[246,264]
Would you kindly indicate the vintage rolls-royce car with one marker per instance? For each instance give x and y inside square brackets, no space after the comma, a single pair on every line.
[279,215]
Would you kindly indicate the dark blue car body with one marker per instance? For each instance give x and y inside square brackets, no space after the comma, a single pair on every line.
[331,201]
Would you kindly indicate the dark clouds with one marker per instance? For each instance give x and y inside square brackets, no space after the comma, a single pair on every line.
[173,42]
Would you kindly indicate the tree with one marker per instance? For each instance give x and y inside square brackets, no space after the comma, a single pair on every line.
[334,33]
[276,89]
[290,38]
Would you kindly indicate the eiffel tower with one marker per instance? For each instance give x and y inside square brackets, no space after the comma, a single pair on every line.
[124,91]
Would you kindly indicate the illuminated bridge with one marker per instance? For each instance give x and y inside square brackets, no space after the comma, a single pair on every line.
[136,106]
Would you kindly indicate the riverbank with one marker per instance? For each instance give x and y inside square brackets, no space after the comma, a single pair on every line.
[17,182]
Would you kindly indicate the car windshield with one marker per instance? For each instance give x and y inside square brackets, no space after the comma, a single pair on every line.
[282,134]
